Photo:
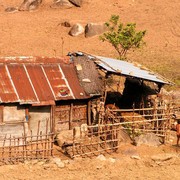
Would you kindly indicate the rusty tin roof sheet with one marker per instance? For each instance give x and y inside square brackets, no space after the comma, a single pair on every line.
[38,81]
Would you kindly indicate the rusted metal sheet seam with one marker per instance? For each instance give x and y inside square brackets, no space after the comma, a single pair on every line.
[31,82]
[67,84]
[12,83]
[48,82]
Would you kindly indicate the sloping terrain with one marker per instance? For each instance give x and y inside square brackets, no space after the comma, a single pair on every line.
[39,33]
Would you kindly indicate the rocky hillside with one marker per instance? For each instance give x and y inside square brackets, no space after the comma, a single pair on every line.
[40,33]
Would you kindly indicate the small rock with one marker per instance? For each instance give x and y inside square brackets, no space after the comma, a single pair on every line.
[57,161]
[66,24]
[63,4]
[60,164]
[135,157]
[66,161]
[77,3]
[11,9]
[112,160]
[101,157]
[76,30]
[40,163]
[29,5]
[99,167]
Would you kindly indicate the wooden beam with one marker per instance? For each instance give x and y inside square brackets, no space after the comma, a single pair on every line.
[89,113]
[70,116]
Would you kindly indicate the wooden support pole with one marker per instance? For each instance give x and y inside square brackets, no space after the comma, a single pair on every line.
[37,139]
[52,120]
[31,145]
[73,148]
[10,148]
[4,143]
[46,138]
[70,116]
[89,113]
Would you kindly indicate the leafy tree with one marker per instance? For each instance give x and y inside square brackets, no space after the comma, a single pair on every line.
[122,37]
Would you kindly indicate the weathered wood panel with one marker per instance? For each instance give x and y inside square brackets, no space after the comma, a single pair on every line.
[62,117]
[79,115]
[65,120]
[15,130]
[37,114]
[1,114]
[13,113]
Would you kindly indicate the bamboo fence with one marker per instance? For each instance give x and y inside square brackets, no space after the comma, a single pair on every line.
[105,136]
[26,147]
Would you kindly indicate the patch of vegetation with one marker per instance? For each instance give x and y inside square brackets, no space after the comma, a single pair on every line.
[122,37]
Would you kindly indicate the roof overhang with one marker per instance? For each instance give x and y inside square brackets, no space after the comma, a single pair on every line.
[128,69]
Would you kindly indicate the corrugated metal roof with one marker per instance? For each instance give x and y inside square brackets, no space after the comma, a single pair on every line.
[129,69]
[38,82]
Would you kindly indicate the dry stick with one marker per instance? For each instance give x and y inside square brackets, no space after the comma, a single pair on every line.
[116,137]
[25,143]
[37,140]
[133,124]
[102,150]
[46,151]
[4,143]
[167,133]
[15,150]
[10,148]
[163,124]
[81,141]
[31,146]
[91,146]
[73,147]
[49,146]
[18,148]
[41,144]
[144,126]
[98,138]
[105,139]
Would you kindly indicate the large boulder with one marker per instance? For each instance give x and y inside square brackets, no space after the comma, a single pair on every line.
[64,4]
[77,3]
[65,136]
[93,29]
[76,30]
[149,139]
[28,5]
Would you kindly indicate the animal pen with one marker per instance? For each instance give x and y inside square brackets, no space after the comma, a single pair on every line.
[114,126]
[118,125]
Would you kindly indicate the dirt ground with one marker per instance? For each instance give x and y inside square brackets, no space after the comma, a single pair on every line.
[151,163]
[39,33]
[128,162]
